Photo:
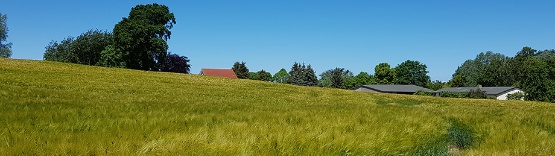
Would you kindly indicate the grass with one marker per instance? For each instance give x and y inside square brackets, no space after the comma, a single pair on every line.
[49,108]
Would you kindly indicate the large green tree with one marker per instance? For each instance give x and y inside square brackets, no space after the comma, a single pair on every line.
[384,74]
[487,69]
[363,78]
[85,49]
[241,70]
[411,72]
[140,39]
[264,75]
[303,75]
[281,76]
[5,47]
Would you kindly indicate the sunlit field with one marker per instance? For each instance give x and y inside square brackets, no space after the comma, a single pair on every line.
[50,108]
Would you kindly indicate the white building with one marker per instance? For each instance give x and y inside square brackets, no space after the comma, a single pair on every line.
[500,93]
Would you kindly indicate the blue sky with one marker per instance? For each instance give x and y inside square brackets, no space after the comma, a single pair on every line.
[352,34]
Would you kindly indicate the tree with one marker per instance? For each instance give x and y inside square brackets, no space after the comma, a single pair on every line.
[362,78]
[241,70]
[264,75]
[88,46]
[457,81]
[412,72]
[310,78]
[60,52]
[281,76]
[487,69]
[303,75]
[176,63]
[5,48]
[337,80]
[254,76]
[296,73]
[141,38]
[384,74]
[435,85]
[85,49]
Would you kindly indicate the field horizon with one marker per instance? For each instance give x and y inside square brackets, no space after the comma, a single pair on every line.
[52,108]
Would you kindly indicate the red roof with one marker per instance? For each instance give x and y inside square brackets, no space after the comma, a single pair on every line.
[218,72]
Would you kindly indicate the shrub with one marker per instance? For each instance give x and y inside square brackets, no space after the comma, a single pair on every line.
[516,96]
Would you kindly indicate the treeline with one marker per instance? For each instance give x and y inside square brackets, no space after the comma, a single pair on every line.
[408,72]
[531,70]
[137,42]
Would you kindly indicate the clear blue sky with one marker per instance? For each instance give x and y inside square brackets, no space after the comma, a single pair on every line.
[352,34]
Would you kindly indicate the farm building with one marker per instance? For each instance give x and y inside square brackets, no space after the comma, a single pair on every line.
[396,89]
[228,73]
[500,93]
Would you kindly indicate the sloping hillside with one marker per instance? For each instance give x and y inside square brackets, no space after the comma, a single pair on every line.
[49,108]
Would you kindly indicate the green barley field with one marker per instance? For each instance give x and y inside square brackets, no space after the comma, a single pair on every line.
[50,108]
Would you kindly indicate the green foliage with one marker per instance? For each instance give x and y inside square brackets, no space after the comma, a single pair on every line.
[363,78]
[261,75]
[85,49]
[241,70]
[487,69]
[384,74]
[5,48]
[337,78]
[141,38]
[453,94]
[109,57]
[303,75]
[477,94]
[61,52]
[282,76]
[457,81]
[264,75]
[516,96]
[411,73]
[254,76]
[435,85]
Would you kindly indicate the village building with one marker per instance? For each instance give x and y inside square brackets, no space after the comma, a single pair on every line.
[227,73]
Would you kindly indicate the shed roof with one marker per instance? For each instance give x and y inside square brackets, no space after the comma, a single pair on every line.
[218,72]
[488,90]
[397,88]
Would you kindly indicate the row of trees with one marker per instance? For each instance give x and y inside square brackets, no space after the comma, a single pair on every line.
[408,72]
[531,70]
[5,47]
[138,41]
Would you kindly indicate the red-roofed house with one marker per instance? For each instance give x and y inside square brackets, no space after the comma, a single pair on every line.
[218,72]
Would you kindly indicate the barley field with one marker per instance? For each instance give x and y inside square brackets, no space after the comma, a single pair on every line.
[50,108]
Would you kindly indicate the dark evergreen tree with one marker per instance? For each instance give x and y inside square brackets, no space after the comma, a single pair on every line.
[241,70]
[310,78]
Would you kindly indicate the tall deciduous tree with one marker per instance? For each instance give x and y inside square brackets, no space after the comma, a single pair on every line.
[412,72]
[264,75]
[176,63]
[141,38]
[5,47]
[241,70]
[384,74]
[85,49]
[281,76]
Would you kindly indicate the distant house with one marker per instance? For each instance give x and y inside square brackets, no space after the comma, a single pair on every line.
[500,93]
[228,73]
[396,89]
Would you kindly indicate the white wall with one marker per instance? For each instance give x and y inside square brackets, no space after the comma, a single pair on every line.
[504,96]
